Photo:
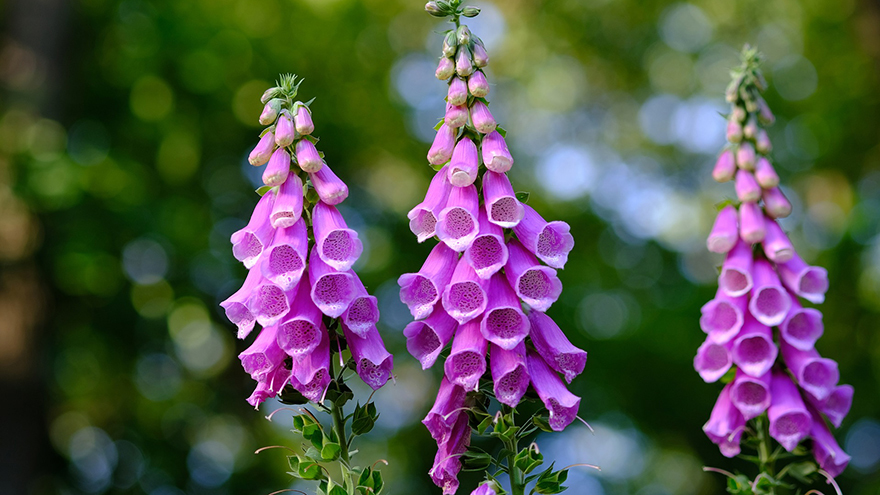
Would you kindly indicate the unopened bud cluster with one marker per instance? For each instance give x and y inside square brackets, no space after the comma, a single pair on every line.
[483,288]
[450,8]
[757,304]
[300,278]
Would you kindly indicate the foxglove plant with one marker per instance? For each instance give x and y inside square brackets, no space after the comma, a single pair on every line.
[760,337]
[483,288]
[301,289]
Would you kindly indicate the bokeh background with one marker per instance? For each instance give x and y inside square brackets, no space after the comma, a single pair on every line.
[124,131]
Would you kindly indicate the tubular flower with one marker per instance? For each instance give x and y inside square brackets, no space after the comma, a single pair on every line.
[300,267]
[758,323]
[484,289]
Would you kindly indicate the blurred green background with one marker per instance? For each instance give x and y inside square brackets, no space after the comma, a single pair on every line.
[124,131]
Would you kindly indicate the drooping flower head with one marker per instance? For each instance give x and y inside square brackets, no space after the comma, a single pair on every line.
[789,387]
[300,265]
[486,286]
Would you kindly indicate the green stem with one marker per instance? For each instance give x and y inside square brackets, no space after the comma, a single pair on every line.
[339,429]
[517,487]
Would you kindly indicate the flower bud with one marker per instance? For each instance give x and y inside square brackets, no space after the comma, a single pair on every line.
[307,156]
[445,69]
[470,11]
[776,204]
[463,34]
[444,143]
[458,92]
[745,156]
[732,91]
[303,120]
[270,111]
[449,44]
[734,131]
[762,142]
[463,65]
[481,58]
[482,118]
[496,156]
[278,169]
[263,150]
[725,167]
[456,116]
[434,9]
[269,94]
[764,112]
[739,113]
[750,130]
[749,100]
[478,85]
[284,132]
[765,174]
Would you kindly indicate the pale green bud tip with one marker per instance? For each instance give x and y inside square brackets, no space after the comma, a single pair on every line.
[449,44]
[470,11]
[464,35]
[434,9]
[269,94]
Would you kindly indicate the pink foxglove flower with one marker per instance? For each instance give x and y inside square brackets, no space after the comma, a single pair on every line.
[423,217]
[757,315]
[248,243]
[421,291]
[484,289]
[726,425]
[303,293]
[487,253]
[467,360]
[499,200]
[284,262]
[457,224]
[750,394]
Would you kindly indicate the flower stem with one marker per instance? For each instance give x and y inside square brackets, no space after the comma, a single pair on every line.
[339,429]
[517,487]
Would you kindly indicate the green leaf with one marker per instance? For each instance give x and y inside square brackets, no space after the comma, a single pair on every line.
[365,479]
[339,394]
[291,396]
[293,462]
[528,459]
[331,451]
[362,425]
[501,131]
[378,482]
[310,471]
[337,490]
[484,425]
[314,454]
[312,196]
[439,125]
[438,167]
[476,460]
[523,196]
[263,190]
[802,471]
